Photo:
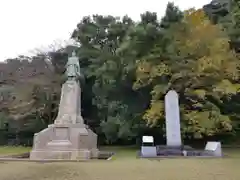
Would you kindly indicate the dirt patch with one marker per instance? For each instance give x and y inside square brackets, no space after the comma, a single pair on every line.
[129,169]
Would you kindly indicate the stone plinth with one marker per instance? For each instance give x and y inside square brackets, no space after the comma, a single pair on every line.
[70,104]
[66,141]
[68,138]
[163,150]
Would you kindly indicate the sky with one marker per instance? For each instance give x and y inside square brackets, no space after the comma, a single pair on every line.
[29,24]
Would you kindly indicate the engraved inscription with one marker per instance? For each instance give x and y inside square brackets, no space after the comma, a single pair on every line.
[62,133]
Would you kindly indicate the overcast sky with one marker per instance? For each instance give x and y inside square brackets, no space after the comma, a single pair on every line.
[29,24]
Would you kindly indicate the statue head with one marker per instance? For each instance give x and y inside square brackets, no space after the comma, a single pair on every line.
[73,54]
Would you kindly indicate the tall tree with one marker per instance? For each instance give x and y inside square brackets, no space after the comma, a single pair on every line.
[108,70]
[200,66]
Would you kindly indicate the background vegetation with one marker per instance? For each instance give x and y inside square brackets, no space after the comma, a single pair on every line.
[128,68]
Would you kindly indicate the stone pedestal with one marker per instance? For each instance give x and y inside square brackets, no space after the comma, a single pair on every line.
[71,142]
[169,150]
[214,148]
[68,138]
[163,150]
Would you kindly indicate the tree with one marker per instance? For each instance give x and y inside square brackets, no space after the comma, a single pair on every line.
[217,10]
[108,72]
[172,15]
[128,68]
[231,22]
[19,102]
[226,13]
[199,65]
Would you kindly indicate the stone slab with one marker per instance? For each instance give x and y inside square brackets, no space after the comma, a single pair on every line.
[147,139]
[148,151]
[214,148]
[172,113]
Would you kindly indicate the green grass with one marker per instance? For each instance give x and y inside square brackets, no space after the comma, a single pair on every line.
[125,166]
[232,153]
[10,150]
[122,152]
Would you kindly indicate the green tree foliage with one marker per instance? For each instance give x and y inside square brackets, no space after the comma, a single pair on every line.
[200,66]
[226,13]
[216,10]
[110,71]
[232,20]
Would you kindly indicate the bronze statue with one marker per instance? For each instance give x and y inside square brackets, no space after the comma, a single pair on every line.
[73,68]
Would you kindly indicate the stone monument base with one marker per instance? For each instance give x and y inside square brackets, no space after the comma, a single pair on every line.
[164,150]
[65,141]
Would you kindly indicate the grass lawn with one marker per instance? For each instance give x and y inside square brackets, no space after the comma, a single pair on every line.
[10,150]
[125,166]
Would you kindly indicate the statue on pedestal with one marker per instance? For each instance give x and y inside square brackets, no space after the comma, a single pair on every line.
[68,138]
